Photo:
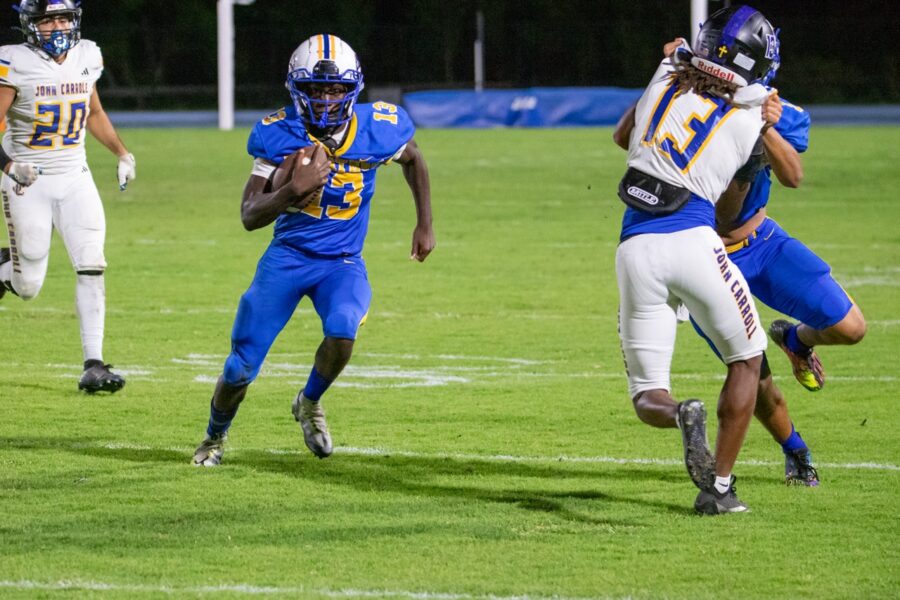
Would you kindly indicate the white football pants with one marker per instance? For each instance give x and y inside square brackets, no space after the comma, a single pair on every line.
[658,272]
[68,202]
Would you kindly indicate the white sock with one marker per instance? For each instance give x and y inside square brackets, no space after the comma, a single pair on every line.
[723,484]
[90,303]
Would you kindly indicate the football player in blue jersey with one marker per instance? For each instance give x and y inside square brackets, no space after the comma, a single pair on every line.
[314,175]
[786,275]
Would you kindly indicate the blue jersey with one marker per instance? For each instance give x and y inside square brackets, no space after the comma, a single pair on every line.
[336,225]
[793,127]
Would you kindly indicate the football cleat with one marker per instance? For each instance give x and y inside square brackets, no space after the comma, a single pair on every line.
[798,468]
[209,452]
[97,377]
[312,422]
[711,502]
[691,420]
[807,369]
[4,258]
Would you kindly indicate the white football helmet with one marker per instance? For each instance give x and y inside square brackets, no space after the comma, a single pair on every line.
[324,59]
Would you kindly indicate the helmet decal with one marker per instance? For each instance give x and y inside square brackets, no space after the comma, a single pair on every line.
[737,44]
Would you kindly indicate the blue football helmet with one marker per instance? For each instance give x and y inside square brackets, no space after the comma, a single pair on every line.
[738,44]
[58,42]
[324,60]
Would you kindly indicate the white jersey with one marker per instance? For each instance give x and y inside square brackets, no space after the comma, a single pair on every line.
[46,122]
[693,141]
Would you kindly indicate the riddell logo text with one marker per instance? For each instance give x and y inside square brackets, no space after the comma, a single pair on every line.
[715,71]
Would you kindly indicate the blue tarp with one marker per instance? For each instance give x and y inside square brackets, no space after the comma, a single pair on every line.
[531,107]
[877,114]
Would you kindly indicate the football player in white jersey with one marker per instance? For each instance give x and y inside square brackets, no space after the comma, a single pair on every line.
[693,132]
[48,96]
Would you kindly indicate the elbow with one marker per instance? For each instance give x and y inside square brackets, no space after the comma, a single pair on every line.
[620,139]
[247,220]
[792,180]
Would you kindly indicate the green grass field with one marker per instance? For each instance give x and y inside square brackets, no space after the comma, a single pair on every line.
[486,445]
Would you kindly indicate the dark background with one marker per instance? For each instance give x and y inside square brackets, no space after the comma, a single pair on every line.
[162,53]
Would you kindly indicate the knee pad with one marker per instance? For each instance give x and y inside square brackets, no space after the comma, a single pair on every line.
[35,246]
[88,259]
[764,370]
[238,372]
[27,289]
[343,324]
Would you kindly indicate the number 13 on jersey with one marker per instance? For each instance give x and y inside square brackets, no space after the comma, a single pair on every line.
[683,142]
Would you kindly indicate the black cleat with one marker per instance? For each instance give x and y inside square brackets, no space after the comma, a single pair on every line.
[798,468]
[711,502]
[97,377]
[4,258]
[701,466]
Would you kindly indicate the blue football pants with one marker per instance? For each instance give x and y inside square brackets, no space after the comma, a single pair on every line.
[786,275]
[339,290]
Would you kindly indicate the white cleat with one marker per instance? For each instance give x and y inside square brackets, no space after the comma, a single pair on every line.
[312,422]
[209,452]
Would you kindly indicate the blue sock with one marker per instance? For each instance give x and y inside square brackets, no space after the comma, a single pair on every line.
[219,421]
[792,341]
[315,386]
[794,442]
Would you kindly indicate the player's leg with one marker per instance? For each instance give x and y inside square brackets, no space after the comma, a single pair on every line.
[647,324]
[798,283]
[718,297]
[342,301]
[263,311]
[29,222]
[79,218]
[771,408]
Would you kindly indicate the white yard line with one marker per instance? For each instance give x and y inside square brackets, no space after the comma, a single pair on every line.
[255,590]
[386,452]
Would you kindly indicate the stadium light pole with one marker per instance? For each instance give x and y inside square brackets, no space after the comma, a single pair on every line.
[225,44]
[699,12]
[479,50]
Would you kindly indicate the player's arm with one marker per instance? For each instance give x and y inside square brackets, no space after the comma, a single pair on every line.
[101,127]
[416,173]
[622,134]
[729,205]
[784,158]
[260,205]
[23,173]
[732,200]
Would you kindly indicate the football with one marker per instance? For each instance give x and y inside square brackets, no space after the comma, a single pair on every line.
[282,176]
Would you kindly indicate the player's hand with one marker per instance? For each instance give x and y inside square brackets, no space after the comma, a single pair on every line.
[670,48]
[126,171]
[23,173]
[771,110]
[311,169]
[422,243]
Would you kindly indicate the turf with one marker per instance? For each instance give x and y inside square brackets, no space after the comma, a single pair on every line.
[486,443]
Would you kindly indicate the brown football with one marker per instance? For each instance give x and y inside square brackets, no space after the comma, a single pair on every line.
[282,175]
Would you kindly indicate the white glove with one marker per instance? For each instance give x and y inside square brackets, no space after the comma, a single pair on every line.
[126,170]
[24,174]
